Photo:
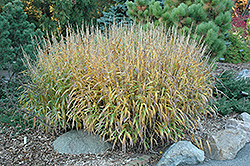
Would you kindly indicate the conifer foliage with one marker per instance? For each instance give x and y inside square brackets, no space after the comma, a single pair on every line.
[227,93]
[15,34]
[211,17]
[4,41]
[118,12]
[57,14]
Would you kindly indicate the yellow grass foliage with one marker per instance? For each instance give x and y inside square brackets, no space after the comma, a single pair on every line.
[134,87]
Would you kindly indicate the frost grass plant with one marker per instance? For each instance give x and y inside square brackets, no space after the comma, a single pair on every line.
[134,87]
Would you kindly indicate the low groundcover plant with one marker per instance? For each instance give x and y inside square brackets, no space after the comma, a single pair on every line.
[133,87]
[227,93]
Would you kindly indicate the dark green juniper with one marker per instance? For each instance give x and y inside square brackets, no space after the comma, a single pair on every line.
[228,93]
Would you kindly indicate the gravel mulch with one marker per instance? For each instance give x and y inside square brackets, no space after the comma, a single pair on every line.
[38,149]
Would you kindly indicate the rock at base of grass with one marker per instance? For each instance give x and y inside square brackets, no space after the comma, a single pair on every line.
[225,144]
[77,142]
[182,152]
[239,125]
[245,117]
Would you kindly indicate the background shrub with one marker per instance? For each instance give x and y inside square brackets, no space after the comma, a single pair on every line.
[118,12]
[131,86]
[239,22]
[15,35]
[212,18]
[237,51]
[238,48]
[55,15]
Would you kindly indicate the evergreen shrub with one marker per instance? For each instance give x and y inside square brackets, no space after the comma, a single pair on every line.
[53,16]
[117,13]
[227,93]
[210,18]
[15,36]
[238,51]
[238,48]
[57,14]
[135,88]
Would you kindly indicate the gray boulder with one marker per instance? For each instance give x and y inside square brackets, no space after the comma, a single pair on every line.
[77,142]
[225,144]
[182,152]
[239,125]
[245,117]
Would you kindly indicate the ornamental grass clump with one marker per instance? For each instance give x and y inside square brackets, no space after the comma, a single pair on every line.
[134,87]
